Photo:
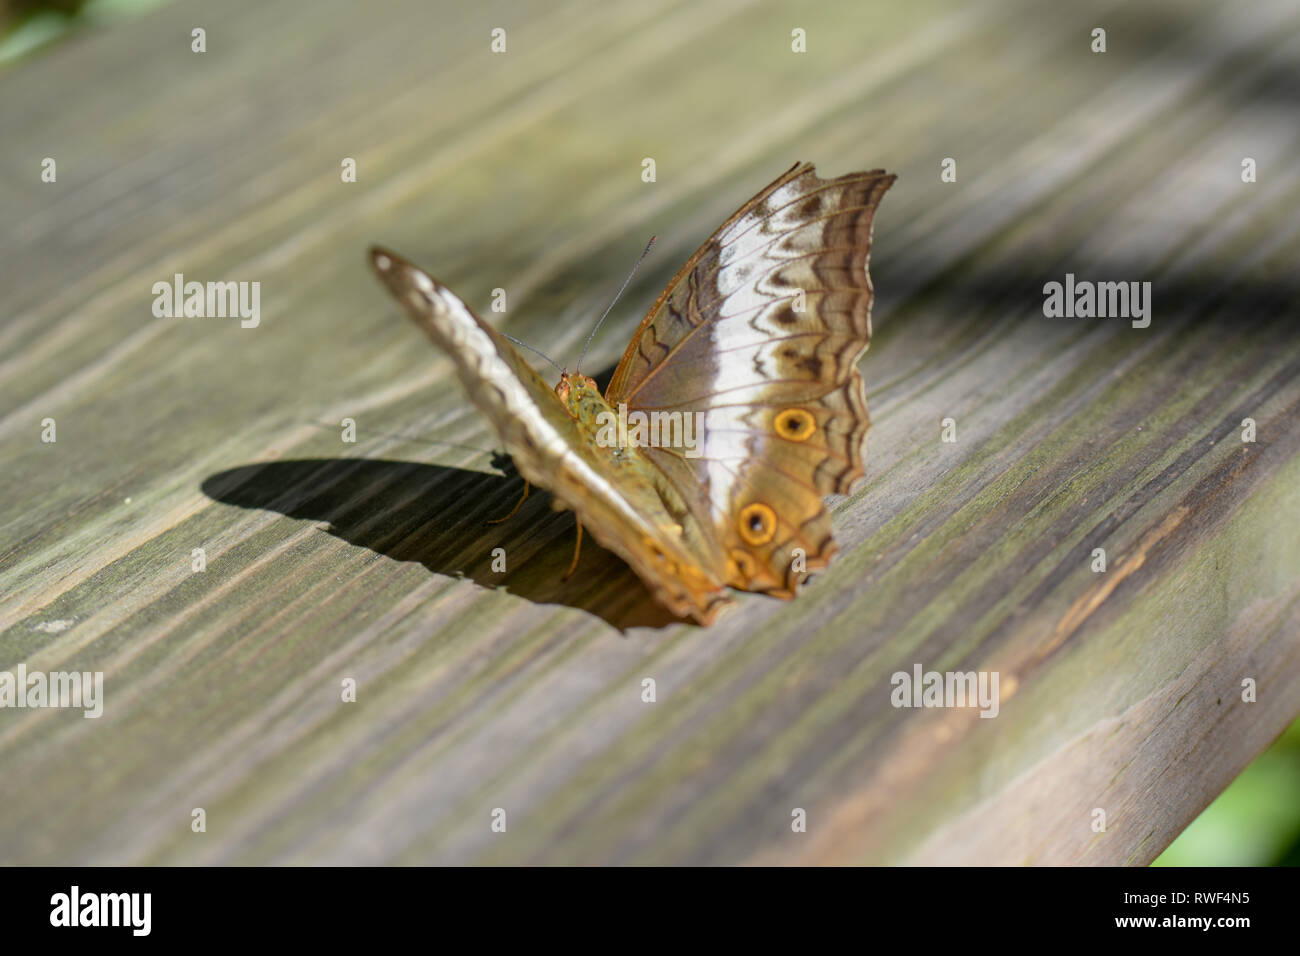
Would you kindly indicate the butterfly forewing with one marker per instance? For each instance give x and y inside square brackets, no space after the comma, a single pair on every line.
[762,330]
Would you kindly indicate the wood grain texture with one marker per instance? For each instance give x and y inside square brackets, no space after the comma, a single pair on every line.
[521,171]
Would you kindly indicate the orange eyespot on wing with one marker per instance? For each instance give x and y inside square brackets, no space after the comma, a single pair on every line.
[756,523]
[795,424]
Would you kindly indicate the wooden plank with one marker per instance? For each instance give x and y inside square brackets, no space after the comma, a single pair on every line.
[1119,691]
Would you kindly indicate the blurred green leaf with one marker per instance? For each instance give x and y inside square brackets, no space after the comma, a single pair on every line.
[1255,822]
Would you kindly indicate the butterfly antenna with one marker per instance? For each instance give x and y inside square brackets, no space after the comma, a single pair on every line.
[616,298]
[531,349]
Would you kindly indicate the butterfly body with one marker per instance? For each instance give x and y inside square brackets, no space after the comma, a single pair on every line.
[596,423]
[756,339]
[581,396]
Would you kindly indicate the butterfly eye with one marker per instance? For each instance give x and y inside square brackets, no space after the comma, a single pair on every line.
[757,523]
[796,424]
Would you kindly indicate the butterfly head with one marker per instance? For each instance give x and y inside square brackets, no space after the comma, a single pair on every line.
[575,389]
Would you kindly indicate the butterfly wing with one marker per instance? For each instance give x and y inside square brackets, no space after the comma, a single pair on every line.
[761,331]
[630,511]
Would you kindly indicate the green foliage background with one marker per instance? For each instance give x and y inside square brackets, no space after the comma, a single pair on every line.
[1255,822]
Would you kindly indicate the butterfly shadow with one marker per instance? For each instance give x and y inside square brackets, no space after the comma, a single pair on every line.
[439,516]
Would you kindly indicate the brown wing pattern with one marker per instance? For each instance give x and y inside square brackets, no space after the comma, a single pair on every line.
[761,331]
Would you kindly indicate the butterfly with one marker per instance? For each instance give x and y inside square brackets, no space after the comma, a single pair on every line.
[756,342]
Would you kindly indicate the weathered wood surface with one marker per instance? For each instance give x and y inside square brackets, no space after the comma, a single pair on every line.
[477,690]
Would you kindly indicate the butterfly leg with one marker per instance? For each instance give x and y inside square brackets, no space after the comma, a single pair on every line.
[577,548]
[519,504]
